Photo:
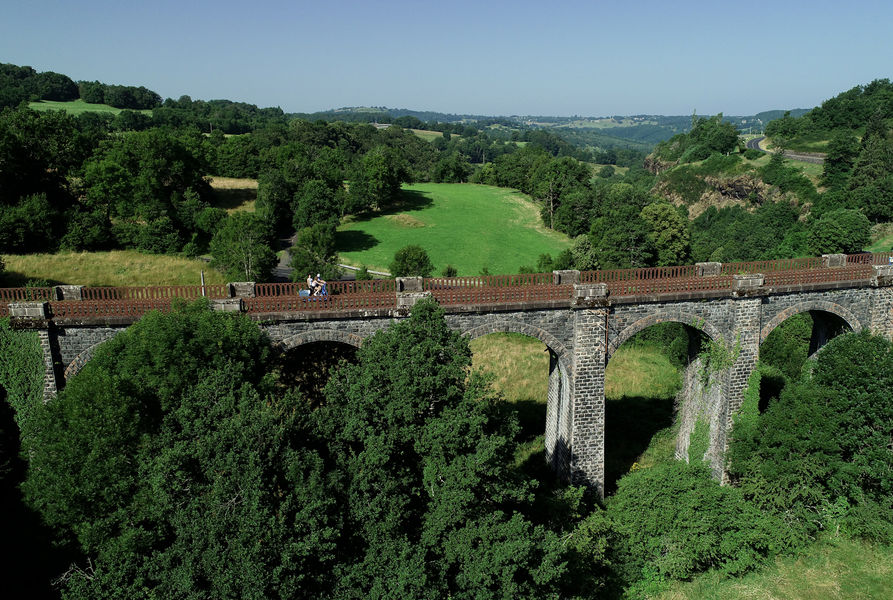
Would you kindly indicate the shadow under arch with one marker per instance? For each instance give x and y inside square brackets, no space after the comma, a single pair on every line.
[685,318]
[652,396]
[812,306]
[320,335]
[558,419]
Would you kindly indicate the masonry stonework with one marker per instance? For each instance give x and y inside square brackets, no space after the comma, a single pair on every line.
[587,449]
[581,336]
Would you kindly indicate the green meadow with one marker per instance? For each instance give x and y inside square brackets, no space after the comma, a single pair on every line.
[472,227]
[76,107]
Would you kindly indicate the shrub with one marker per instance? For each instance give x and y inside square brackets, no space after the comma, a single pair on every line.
[411,261]
[824,442]
[675,520]
[843,230]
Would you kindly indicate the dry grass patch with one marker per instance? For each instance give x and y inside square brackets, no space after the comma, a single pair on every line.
[233,194]
[640,371]
[115,268]
[404,220]
[519,365]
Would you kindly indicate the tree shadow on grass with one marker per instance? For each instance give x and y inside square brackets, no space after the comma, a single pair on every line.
[228,199]
[354,241]
[16,279]
[406,201]
[531,417]
[630,424]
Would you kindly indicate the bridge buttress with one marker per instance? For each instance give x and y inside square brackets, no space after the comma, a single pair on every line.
[881,312]
[587,444]
[744,345]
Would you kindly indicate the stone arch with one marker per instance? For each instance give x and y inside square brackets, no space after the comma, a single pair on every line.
[809,305]
[662,317]
[321,335]
[81,359]
[509,326]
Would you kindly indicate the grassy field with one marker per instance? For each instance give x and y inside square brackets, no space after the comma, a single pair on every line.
[232,194]
[471,227]
[829,570]
[640,384]
[811,170]
[118,267]
[881,238]
[76,107]
[427,134]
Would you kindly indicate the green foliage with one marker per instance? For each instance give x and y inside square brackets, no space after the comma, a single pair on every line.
[787,347]
[708,136]
[411,261]
[363,274]
[674,520]
[314,252]
[21,372]
[425,455]
[752,154]
[274,200]
[699,441]
[716,356]
[620,236]
[449,271]
[241,248]
[668,232]
[675,340]
[788,179]
[839,231]
[316,203]
[824,443]
[151,185]
[773,230]
[175,472]
[377,182]
[842,152]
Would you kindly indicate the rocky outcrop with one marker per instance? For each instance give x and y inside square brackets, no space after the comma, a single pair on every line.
[742,187]
[655,165]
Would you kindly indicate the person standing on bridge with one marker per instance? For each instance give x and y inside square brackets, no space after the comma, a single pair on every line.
[311,284]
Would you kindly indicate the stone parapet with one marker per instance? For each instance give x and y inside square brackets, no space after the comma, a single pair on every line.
[406,300]
[227,304]
[410,284]
[242,289]
[564,277]
[590,294]
[69,292]
[882,276]
[833,260]
[29,310]
[748,284]
[708,269]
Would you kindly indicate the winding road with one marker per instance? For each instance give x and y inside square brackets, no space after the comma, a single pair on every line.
[810,157]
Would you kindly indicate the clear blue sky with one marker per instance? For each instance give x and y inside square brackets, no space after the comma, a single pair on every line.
[483,57]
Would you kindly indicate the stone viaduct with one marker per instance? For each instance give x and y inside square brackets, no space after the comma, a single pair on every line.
[582,317]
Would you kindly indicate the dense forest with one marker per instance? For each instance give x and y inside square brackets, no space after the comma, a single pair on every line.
[398,478]
[183,461]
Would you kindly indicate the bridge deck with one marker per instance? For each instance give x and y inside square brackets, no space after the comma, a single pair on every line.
[381,295]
